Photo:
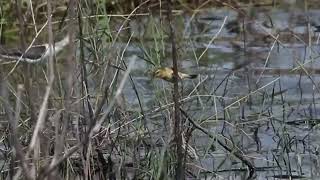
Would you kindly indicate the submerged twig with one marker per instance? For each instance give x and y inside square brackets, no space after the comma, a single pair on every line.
[234,151]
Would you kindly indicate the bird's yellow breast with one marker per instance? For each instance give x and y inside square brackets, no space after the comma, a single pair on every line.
[166,73]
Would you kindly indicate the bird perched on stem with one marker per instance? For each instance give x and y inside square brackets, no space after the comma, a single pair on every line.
[166,74]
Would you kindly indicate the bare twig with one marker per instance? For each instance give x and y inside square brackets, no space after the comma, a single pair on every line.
[14,137]
[214,37]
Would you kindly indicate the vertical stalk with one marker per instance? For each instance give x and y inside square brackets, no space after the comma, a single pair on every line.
[177,138]
[27,75]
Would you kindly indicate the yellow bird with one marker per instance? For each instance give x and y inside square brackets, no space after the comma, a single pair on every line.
[166,73]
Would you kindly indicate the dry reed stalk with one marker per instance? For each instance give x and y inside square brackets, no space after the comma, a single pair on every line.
[176,125]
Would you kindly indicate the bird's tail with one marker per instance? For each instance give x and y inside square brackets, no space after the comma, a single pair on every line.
[187,76]
[192,76]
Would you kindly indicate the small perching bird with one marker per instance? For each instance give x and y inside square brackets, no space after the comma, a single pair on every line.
[34,54]
[166,74]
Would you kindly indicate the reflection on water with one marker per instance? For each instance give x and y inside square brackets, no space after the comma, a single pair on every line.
[261,93]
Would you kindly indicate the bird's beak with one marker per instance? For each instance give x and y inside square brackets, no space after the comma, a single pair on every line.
[151,73]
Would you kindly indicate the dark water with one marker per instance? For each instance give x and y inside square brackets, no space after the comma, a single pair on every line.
[263,95]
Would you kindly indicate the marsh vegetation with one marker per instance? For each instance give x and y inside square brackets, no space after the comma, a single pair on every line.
[94,110]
